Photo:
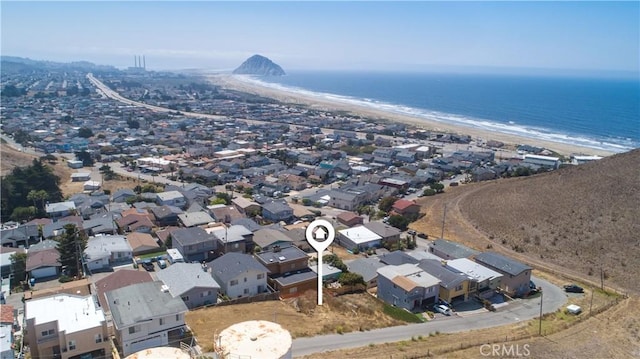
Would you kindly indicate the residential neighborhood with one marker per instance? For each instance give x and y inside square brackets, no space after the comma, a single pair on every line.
[217,207]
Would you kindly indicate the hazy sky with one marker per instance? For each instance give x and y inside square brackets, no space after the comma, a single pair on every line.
[329,35]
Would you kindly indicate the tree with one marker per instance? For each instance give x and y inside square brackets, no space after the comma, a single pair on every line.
[386,203]
[349,278]
[85,157]
[38,197]
[71,246]
[438,187]
[85,132]
[428,192]
[20,214]
[312,141]
[225,197]
[133,123]
[13,91]
[399,222]
[370,136]
[18,268]
[335,261]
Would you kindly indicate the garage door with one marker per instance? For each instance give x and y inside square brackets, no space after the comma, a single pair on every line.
[152,342]
[44,272]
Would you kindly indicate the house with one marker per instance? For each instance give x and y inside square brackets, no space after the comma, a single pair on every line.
[367,268]
[101,224]
[6,332]
[193,219]
[171,198]
[5,260]
[483,281]
[80,176]
[450,250]
[190,282]
[359,238]
[267,238]
[397,258]
[349,219]
[43,263]
[245,206]
[454,286]
[166,215]
[516,275]
[239,275]
[91,185]
[277,211]
[142,243]
[135,223]
[541,161]
[235,238]
[75,164]
[118,279]
[388,233]
[407,286]
[145,315]
[289,271]
[121,195]
[66,326]
[225,214]
[60,209]
[194,243]
[404,207]
[103,252]
[347,199]
[329,272]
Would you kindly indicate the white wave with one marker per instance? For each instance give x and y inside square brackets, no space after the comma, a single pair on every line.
[606,144]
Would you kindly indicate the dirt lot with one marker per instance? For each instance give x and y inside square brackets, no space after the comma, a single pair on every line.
[301,316]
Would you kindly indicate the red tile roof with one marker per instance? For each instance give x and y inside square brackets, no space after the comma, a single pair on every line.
[6,314]
[403,204]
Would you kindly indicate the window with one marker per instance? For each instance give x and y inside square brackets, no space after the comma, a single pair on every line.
[293,290]
[177,317]
[260,276]
[185,298]
[72,345]
[459,288]
[98,338]
[246,291]
[161,321]
[134,329]
[245,279]
[49,332]
[236,245]
[233,282]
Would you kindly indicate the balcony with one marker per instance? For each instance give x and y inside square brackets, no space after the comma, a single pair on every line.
[47,339]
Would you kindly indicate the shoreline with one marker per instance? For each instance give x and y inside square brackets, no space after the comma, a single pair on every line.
[232,82]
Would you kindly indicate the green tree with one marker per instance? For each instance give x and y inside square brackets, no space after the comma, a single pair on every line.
[399,222]
[85,132]
[39,198]
[335,261]
[386,203]
[370,136]
[438,187]
[17,185]
[85,157]
[20,214]
[19,268]
[71,246]
[12,91]
[225,197]
[349,278]
[428,192]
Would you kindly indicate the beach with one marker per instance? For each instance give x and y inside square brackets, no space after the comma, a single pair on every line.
[240,83]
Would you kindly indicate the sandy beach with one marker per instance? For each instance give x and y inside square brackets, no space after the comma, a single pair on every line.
[237,83]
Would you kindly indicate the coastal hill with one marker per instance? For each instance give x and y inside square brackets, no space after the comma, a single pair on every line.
[259,65]
[572,221]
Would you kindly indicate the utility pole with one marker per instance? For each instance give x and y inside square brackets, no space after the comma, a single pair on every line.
[540,318]
[444,217]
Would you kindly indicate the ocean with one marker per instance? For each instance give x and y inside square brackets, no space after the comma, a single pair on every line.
[600,113]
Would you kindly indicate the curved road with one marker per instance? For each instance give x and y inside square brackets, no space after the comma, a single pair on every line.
[516,311]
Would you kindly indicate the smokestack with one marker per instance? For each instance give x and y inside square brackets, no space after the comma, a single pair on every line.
[144,63]
[135,61]
[139,61]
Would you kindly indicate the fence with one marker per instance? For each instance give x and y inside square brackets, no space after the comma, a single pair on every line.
[262,297]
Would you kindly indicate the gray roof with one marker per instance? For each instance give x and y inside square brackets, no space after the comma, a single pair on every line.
[283,255]
[502,263]
[448,278]
[248,223]
[140,302]
[297,277]
[191,236]
[267,236]
[397,258]
[453,249]
[383,230]
[233,264]
[366,267]
[191,219]
[276,207]
[182,277]
[43,245]
[235,233]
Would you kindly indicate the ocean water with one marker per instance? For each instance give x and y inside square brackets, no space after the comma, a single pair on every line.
[600,113]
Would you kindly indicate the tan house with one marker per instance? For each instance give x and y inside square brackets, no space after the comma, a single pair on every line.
[66,326]
[142,243]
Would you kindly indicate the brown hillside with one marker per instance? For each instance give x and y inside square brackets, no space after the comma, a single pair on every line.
[580,218]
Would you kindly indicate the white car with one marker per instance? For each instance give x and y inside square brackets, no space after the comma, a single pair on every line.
[442,309]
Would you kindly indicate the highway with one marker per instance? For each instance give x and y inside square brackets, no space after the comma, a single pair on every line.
[517,311]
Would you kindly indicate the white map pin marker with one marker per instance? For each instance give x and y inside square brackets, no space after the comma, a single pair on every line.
[320,233]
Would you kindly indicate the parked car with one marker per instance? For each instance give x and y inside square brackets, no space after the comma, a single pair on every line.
[442,309]
[162,264]
[148,265]
[422,235]
[573,288]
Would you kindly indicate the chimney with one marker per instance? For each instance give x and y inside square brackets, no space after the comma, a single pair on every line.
[144,63]
[135,61]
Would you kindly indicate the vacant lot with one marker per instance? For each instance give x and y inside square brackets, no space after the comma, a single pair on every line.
[301,316]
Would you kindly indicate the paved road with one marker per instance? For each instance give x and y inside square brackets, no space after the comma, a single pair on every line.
[519,310]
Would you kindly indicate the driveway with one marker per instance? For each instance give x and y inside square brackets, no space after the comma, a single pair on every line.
[517,310]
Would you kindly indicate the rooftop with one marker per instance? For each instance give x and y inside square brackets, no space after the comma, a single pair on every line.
[73,313]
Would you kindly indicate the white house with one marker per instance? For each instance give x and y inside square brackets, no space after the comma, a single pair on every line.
[543,161]
[484,281]
[145,315]
[358,237]
[104,251]
[407,286]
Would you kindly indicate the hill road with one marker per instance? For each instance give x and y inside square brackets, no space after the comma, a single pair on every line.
[516,311]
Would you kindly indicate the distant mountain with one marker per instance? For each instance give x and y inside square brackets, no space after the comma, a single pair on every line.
[18,64]
[259,65]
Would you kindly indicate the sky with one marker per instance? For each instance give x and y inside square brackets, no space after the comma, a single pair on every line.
[385,36]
